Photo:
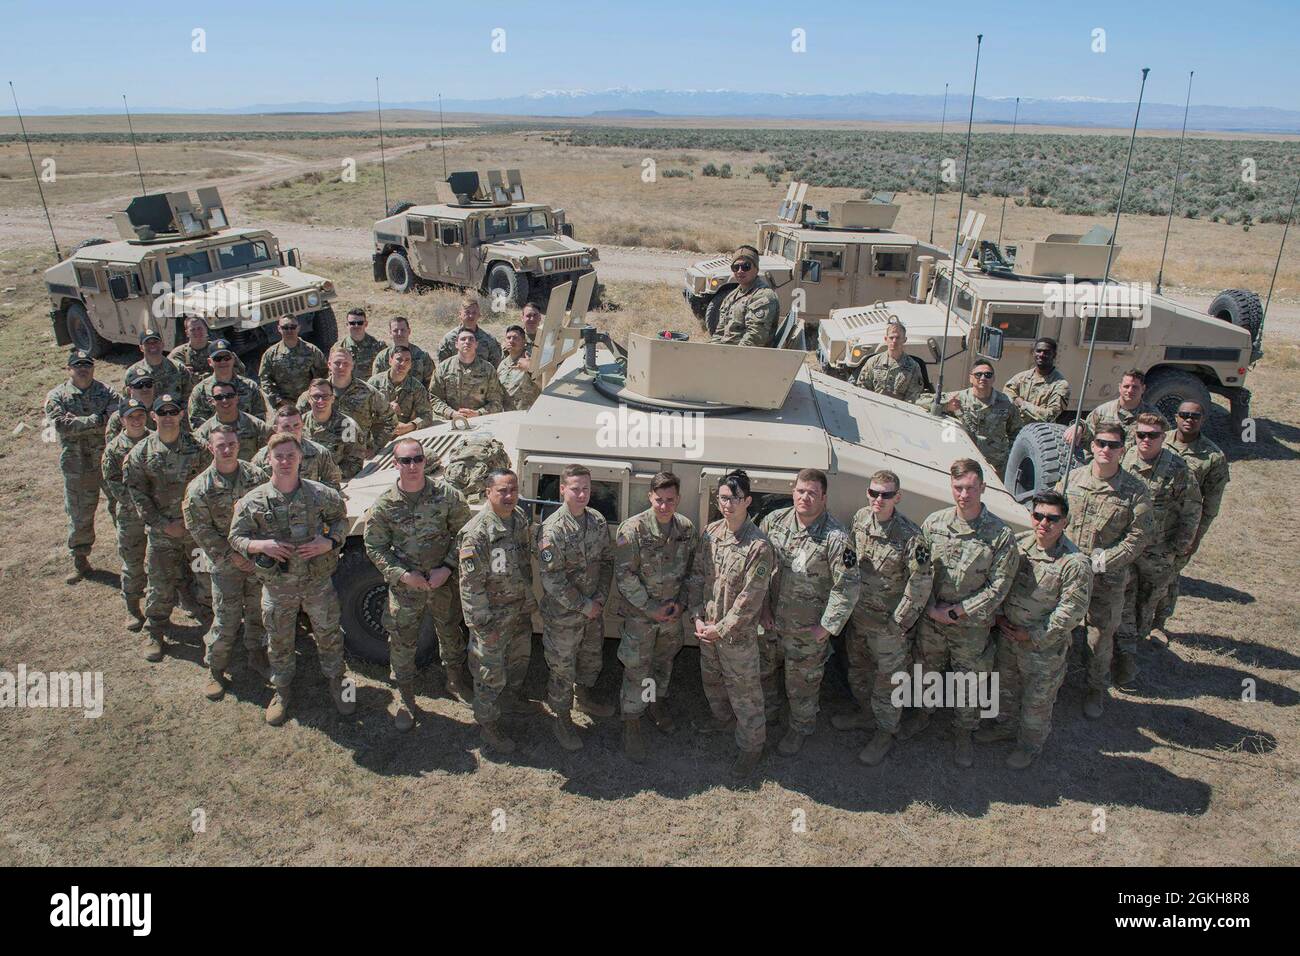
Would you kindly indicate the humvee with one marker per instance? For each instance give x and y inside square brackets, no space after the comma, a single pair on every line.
[842,256]
[695,408]
[177,258]
[480,237]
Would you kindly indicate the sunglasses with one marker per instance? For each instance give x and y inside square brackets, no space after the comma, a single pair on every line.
[1050,519]
[886,495]
[224,397]
[143,383]
[1148,436]
[356,321]
[1107,443]
[163,413]
[981,374]
[412,460]
[227,357]
[289,328]
[740,267]
[1191,416]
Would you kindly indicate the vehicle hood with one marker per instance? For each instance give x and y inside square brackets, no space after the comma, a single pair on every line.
[851,335]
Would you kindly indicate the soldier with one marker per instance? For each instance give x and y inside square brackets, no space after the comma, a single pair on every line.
[516,373]
[208,507]
[1040,393]
[156,472]
[292,529]
[733,570]
[317,462]
[973,556]
[986,414]
[222,358]
[336,432]
[496,591]
[196,350]
[253,432]
[532,318]
[654,553]
[813,592]
[1123,411]
[360,344]
[357,400]
[465,386]
[488,347]
[78,410]
[422,363]
[878,645]
[407,398]
[168,376]
[1048,600]
[1209,467]
[126,520]
[577,565]
[748,314]
[893,372]
[1110,521]
[289,365]
[1175,515]
[140,387]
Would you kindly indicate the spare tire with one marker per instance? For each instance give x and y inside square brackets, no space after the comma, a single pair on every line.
[1039,459]
[399,206]
[1241,308]
[363,596]
[398,271]
[1167,388]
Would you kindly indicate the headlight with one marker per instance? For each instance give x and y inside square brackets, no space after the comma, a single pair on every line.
[857,353]
[714,282]
[586,260]
[548,265]
[313,299]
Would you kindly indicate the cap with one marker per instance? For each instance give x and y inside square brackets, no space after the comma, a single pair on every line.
[135,376]
[747,254]
[148,334]
[166,401]
[133,405]
[219,346]
[80,357]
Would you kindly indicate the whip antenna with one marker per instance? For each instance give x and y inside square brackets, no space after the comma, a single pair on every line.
[1178,167]
[134,148]
[1014,121]
[383,167]
[35,175]
[934,205]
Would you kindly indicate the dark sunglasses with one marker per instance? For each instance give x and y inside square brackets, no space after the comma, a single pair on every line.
[886,495]
[1050,519]
[288,328]
[1107,443]
[1191,416]
[412,460]
[163,413]
[225,357]
[740,267]
[143,383]
[224,396]
[981,374]
[1148,436]
[356,321]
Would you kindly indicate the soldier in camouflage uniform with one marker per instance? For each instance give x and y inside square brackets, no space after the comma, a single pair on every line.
[317,462]
[812,594]
[336,432]
[892,372]
[577,565]
[78,410]
[465,385]
[879,645]
[140,387]
[496,591]
[126,520]
[407,398]
[168,376]
[531,315]
[253,432]
[489,349]
[359,402]
[1048,600]
[516,373]
[292,530]
[973,556]
[1110,521]
[208,506]
[289,366]
[987,415]
[422,363]
[1040,393]
[195,351]
[653,555]
[360,344]
[729,587]
[1123,410]
[1175,516]
[749,314]
[222,358]
[156,473]
[411,539]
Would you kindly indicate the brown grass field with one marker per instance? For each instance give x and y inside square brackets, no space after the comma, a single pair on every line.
[1185,771]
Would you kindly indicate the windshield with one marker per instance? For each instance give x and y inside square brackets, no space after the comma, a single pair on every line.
[518,224]
[193,266]
[961,303]
[240,255]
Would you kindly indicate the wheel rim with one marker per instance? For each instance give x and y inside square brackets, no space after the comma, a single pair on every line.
[79,331]
[397,274]
[371,616]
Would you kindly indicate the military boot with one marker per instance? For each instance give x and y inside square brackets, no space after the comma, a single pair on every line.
[993,731]
[259,663]
[341,704]
[963,753]
[853,720]
[746,762]
[404,717]
[874,752]
[1092,703]
[494,738]
[216,686]
[661,717]
[588,704]
[1020,758]
[134,616]
[277,712]
[633,745]
[1126,670]
[155,645]
[80,568]
[792,742]
[566,733]
[459,684]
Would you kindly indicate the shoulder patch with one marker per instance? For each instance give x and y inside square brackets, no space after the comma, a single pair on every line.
[850,558]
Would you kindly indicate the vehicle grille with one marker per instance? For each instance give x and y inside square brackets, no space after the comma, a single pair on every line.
[873,316]
[291,305]
[565,263]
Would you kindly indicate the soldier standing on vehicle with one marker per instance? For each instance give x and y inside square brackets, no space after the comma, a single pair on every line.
[168,376]
[407,398]
[489,349]
[78,409]
[1110,521]
[893,372]
[422,363]
[289,365]
[516,373]
[750,312]
[360,344]
[411,540]
[358,401]
[126,520]
[317,462]
[195,351]
[812,593]
[496,591]
[292,530]
[465,385]
[222,357]
[336,432]
[654,554]
[140,387]
[253,432]
[729,587]
[1123,411]
[1041,393]
[986,414]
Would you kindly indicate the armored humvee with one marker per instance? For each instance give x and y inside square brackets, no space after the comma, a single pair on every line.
[692,407]
[178,258]
[842,256]
[483,237]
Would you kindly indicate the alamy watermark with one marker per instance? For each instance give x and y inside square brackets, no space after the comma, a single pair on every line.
[74,690]
[954,689]
[630,428]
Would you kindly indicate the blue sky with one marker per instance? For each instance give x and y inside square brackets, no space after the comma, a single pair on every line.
[80,53]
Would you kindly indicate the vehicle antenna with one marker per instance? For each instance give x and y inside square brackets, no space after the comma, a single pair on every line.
[57,254]
[1015,119]
[1290,213]
[934,205]
[442,138]
[383,167]
[134,148]
[1178,167]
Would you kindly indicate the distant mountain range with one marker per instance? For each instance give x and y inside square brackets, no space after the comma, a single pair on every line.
[889,107]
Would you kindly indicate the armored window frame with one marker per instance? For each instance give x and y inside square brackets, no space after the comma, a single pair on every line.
[450,233]
[1113,330]
[260,253]
[830,257]
[1017,324]
[87,279]
[172,272]
[417,227]
[889,261]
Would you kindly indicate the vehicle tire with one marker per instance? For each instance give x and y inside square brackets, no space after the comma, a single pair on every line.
[1241,308]
[400,206]
[503,280]
[713,312]
[1167,388]
[84,243]
[1039,459]
[82,331]
[324,329]
[398,270]
[363,596]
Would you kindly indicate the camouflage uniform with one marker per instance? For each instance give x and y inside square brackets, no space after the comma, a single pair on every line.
[816,582]
[902,380]
[363,354]
[519,387]
[1049,599]
[748,318]
[317,464]
[1111,412]
[236,595]
[728,588]
[576,562]
[169,378]
[489,349]
[81,446]
[253,433]
[1045,399]
[496,591]
[365,406]
[974,565]
[991,425]
[298,584]
[1209,468]
[416,531]
[339,435]
[1110,521]
[653,567]
[202,407]
[422,363]
[126,520]
[411,396]
[196,360]
[456,385]
[116,425]
[286,372]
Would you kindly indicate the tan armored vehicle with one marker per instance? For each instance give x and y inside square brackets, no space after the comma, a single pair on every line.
[692,407]
[818,260]
[177,258]
[483,237]
[1053,288]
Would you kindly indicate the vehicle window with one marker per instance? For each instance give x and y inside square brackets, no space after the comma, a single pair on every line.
[450,234]
[86,278]
[1015,325]
[604,496]
[773,244]
[890,262]
[832,260]
[790,250]
[191,266]
[965,302]
[940,288]
[537,219]
[496,226]
[1113,328]
[241,254]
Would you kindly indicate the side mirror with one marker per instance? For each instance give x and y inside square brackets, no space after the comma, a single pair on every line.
[990,342]
[810,270]
[291,258]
